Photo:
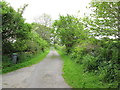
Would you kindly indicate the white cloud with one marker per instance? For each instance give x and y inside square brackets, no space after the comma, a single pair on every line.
[52,7]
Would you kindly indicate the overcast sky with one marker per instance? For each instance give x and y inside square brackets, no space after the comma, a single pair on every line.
[52,7]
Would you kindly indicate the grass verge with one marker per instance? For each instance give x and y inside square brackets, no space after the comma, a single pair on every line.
[30,62]
[75,76]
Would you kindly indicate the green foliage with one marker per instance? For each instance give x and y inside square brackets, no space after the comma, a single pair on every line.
[68,29]
[95,56]
[36,43]
[108,60]
[94,62]
[43,31]
[6,61]
[13,28]
[106,18]
[75,76]
[20,37]
[101,59]
[24,56]
[89,63]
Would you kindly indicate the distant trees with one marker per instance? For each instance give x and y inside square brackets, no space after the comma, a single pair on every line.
[43,26]
[44,19]
[69,29]
[43,31]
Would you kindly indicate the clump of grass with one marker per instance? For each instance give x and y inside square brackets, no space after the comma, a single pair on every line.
[30,62]
[75,76]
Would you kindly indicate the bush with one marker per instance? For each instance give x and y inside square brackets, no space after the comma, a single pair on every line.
[90,63]
[107,60]
[6,61]
[24,56]
[100,58]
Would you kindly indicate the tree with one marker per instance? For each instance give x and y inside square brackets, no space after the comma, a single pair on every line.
[43,31]
[14,28]
[106,19]
[36,44]
[44,19]
[69,29]
[21,10]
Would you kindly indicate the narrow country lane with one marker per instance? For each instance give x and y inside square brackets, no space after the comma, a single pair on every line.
[46,74]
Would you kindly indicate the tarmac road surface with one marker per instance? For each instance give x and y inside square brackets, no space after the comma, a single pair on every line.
[46,74]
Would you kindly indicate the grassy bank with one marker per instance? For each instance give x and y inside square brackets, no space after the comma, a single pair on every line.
[36,59]
[75,76]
